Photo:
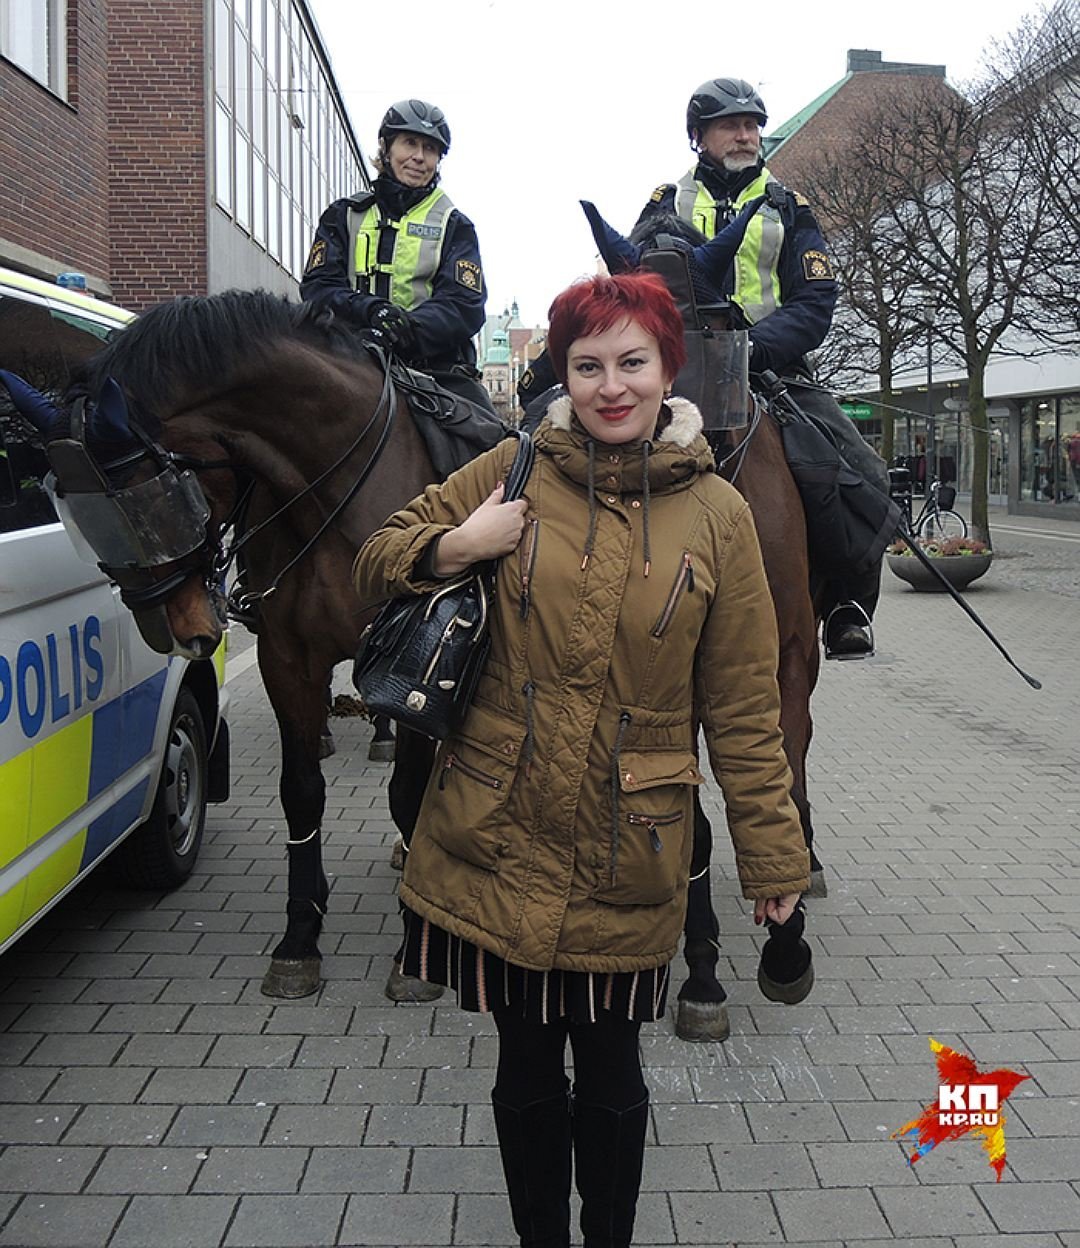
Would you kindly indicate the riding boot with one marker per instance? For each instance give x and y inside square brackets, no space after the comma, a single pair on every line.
[534,1143]
[786,969]
[609,1148]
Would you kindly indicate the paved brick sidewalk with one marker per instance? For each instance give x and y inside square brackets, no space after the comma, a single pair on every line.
[151,1098]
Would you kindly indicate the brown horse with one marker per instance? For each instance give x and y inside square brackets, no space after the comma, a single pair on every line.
[272,403]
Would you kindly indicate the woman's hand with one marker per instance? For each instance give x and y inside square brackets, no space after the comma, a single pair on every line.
[775,909]
[493,530]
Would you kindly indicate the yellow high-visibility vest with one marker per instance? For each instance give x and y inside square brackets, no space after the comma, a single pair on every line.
[757,279]
[406,279]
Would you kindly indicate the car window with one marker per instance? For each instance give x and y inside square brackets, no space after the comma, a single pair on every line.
[44,346]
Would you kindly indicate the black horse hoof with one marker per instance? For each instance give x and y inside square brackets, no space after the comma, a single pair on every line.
[787,994]
[381,751]
[818,887]
[405,988]
[397,856]
[702,1022]
[292,977]
[327,747]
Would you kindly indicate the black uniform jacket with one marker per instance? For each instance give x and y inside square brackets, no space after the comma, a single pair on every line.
[445,323]
[807,289]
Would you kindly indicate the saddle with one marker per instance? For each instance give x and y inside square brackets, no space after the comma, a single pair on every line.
[454,429]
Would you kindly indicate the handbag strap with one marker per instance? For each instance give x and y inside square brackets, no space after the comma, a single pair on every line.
[518,476]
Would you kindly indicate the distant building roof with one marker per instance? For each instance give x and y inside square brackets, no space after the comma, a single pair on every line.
[859,61]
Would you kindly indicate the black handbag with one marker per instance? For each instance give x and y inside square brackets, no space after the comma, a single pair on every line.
[420,658]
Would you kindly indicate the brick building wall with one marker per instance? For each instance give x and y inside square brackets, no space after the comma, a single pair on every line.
[53,155]
[157,154]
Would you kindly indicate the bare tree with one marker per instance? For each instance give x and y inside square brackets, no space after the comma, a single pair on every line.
[973,197]
[872,329]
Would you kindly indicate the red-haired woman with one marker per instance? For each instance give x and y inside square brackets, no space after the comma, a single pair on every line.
[547,877]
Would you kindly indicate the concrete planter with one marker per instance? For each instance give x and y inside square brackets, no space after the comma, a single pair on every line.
[958,570]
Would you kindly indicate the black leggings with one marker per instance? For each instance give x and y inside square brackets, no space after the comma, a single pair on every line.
[607,1063]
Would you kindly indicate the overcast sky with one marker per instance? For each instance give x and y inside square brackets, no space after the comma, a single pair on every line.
[582,101]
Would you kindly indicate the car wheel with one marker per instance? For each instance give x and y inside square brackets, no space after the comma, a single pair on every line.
[162,851]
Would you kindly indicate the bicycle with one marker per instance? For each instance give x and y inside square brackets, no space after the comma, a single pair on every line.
[936,519]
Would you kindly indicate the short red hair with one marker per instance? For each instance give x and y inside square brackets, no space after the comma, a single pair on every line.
[596,303]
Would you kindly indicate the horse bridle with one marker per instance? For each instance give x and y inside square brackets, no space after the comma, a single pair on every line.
[133,530]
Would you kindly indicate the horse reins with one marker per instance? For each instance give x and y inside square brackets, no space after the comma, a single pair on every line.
[387,401]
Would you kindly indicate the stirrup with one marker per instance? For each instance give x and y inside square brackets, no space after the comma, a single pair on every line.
[852,614]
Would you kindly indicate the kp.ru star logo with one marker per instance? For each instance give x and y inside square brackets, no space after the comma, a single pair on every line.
[969,1103]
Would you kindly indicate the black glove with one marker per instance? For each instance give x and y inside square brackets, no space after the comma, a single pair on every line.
[394,325]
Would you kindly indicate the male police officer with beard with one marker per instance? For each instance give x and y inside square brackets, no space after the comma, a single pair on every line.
[783,282]
[402,260]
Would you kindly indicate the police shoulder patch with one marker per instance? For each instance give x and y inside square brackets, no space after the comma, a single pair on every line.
[467,273]
[800,200]
[817,267]
[317,256]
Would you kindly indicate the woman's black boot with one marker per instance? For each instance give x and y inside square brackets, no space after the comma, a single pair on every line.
[609,1147]
[534,1143]
[786,969]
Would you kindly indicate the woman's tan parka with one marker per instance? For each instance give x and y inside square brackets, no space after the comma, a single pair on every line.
[557,826]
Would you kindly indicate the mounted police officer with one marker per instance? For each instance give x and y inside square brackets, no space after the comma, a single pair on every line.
[783,282]
[402,260]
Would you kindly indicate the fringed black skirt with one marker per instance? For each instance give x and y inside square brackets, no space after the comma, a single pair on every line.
[484,981]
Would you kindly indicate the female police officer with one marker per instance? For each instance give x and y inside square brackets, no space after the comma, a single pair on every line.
[402,259]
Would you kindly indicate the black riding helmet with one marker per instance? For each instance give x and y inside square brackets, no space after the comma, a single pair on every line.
[723,97]
[415,117]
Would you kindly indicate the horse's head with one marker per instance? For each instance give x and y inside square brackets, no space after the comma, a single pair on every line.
[136,510]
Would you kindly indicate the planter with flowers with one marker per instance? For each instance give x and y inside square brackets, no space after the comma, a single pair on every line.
[960,560]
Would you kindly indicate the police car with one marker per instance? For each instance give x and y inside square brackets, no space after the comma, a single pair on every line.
[105,746]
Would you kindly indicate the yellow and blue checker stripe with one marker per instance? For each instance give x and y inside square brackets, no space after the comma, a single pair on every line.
[51,781]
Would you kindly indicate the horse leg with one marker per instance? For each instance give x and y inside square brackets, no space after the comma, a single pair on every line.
[413,759]
[381,749]
[701,1014]
[797,674]
[300,706]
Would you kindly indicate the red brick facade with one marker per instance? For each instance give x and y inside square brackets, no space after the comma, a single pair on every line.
[53,158]
[157,150]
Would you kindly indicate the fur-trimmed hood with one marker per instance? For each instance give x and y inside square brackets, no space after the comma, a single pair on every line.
[676,456]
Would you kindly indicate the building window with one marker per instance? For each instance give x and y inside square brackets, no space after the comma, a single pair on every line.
[282,148]
[34,36]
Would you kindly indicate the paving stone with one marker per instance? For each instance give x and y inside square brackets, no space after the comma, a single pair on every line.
[792,1123]
[102,1085]
[239,1169]
[318,1125]
[397,1220]
[1032,1207]
[174,1221]
[120,1124]
[374,1086]
[63,1221]
[61,1168]
[283,1087]
[286,1221]
[701,1217]
[130,1171]
[400,1125]
[161,1050]
[948,1210]
[35,1124]
[182,1086]
[869,1163]
[353,1169]
[762,1167]
[835,1213]
[78,1050]
[204,1125]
